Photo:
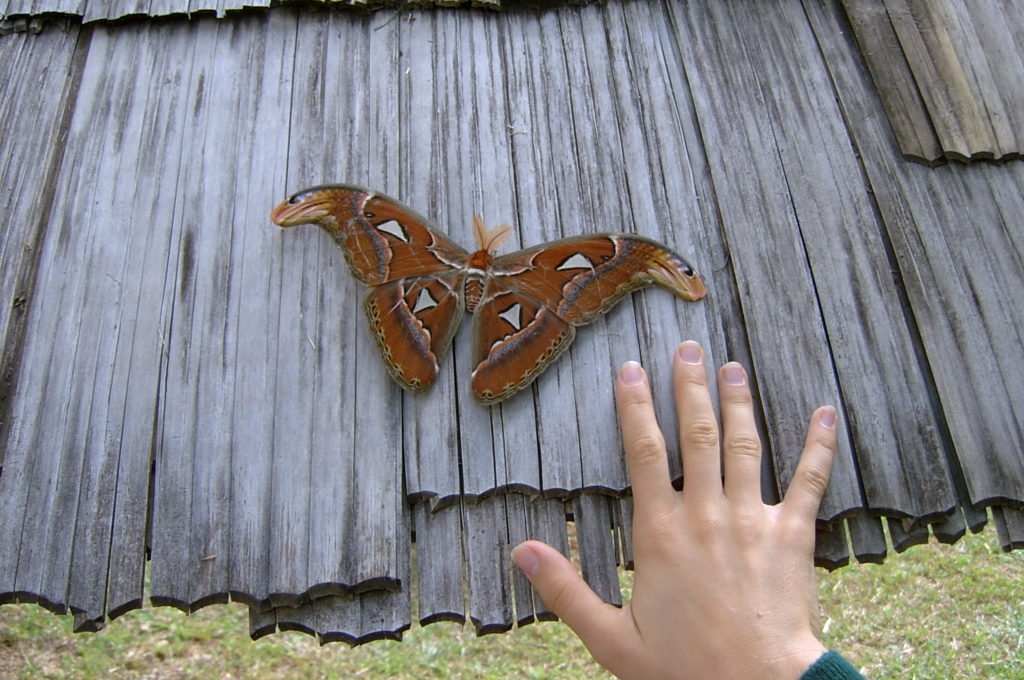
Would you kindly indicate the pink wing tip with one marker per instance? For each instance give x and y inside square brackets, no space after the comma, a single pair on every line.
[679,277]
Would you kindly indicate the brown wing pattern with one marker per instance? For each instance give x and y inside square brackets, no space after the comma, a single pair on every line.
[514,339]
[534,298]
[583,277]
[529,301]
[414,321]
[382,239]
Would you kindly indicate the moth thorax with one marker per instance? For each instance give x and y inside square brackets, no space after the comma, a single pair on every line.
[474,291]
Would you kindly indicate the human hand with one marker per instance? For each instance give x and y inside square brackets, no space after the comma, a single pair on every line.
[724,584]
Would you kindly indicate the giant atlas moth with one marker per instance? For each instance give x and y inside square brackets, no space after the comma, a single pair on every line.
[527,304]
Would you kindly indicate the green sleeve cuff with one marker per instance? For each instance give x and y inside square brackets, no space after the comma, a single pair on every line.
[831,666]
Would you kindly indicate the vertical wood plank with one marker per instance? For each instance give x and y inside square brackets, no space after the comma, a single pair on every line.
[114,501]
[792,360]
[28,188]
[665,164]
[905,535]
[433,441]
[379,496]
[477,165]
[32,111]
[1009,523]
[895,431]
[899,93]
[440,563]
[547,200]
[179,438]
[940,76]
[320,132]
[518,531]
[831,546]
[956,279]
[980,34]
[486,535]
[593,520]
[546,520]
[951,529]
[70,343]
[256,298]
[867,538]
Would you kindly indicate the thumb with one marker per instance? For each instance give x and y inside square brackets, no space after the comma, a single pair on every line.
[566,594]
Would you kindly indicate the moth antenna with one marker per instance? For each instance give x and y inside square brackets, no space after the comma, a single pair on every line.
[489,239]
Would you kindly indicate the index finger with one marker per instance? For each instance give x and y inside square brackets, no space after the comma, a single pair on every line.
[646,457]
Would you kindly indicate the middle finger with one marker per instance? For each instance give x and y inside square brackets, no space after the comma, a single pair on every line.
[698,427]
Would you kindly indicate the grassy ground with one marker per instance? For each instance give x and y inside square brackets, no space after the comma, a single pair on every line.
[933,612]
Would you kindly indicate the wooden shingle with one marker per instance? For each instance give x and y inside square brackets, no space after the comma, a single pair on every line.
[186,380]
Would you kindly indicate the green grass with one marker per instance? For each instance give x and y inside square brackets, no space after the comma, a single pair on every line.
[932,612]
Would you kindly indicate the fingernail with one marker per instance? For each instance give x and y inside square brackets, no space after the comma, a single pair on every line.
[631,373]
[690,352]
[526,559]
[828,418]
[733,374]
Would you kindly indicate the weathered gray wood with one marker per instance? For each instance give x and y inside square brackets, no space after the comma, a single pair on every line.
[486,540]
[160,8]
[893,426]
[947,73]
[953,281]
[320,128]
[831,546]
[440,561]
[922,28]
[434,440]
[613,169]
[115,497]
[543,148]
[792,359]
[905,534]
[15,7]
[98,10]
[1010,527]
[336,618]
[480,161]
[547,522]
[623,522]
[982,39]
[518,531]
[951,529]
[106,10]
[593,519]
[276,417]
[899,93]
[256,301]
[262,623]
[499,445]
[37,86]
[867,537]
[335,330]
[671,194]
[379,494]
[82,356]
[201,257]
[348,617]
[383,615]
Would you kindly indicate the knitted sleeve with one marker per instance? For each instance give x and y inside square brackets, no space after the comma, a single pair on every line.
[831,666]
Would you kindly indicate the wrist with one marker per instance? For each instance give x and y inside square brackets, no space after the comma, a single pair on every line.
[786,661]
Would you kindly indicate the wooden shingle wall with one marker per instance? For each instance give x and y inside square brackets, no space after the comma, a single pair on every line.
[949,74]
[186,382]
[117,10]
